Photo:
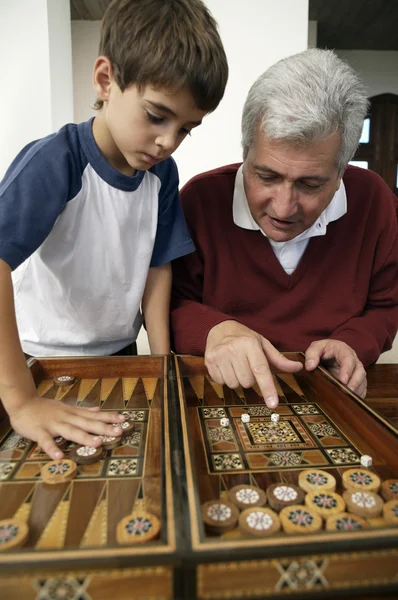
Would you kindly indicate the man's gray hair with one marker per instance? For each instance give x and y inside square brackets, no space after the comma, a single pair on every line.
[307,98]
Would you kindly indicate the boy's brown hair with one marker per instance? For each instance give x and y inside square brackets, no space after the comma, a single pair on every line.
[168,43]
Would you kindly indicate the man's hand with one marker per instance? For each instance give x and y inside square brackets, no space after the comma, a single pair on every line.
[236,355]
[42,420]
[341,361]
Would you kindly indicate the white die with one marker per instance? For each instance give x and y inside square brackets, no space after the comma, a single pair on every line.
[275,417]
[245,418]
[224,422]
[366,461]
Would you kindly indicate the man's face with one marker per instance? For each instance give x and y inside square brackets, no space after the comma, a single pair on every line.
[138,128]
[287,186]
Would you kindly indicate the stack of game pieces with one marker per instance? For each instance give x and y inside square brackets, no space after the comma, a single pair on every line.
[13,534]
[244,496]
[58,471]
[259,522]
[364,504]
[316,480]
[300,519]
[63,380]
[138,527]
[86,455]
[281,495]
[219,516]
[326,504]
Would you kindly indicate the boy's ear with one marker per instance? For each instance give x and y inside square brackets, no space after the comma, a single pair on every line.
[102,77]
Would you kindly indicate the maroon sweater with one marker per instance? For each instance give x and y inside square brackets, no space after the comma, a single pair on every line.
[345,286]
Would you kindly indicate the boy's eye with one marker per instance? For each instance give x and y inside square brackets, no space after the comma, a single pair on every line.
[185,131]
[153,118]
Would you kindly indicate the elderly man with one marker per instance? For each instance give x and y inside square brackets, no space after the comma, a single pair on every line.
[295,250]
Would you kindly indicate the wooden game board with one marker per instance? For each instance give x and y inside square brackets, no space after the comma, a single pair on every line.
[72,525]
[321,425]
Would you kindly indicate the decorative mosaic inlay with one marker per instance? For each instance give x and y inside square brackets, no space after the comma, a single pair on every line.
[259,521]
[219,512]
[322,430]
[7,533]
[285,459]
[213,413]
[123,466]
[259,411]
[305,409]
[138,526]
[341,456]
[15,442]
[317,479]
[361,478]
[220,434]
[5,469]
[86,451]
[59,468]
[247,496]
[347,524]
[285,493]
[300,517]
[269,432]
[325,501]
[363,500]
[133,439]
[134,415]
[227,462]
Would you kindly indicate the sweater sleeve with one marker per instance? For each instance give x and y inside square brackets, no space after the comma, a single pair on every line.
[373,331]
[191,320]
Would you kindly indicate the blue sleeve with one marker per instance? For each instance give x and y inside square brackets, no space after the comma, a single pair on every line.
[172,235]
[34,191]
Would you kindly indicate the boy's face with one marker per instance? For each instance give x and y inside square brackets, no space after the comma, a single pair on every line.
[136,129]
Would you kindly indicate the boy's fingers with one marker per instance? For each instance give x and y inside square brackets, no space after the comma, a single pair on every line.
[48,445]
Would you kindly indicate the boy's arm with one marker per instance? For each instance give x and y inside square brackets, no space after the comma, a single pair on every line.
[155,308]
[30,415]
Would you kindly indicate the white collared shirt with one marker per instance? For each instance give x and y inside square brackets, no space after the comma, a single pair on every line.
[288,253]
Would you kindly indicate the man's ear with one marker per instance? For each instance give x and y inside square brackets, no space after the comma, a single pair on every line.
[102,77]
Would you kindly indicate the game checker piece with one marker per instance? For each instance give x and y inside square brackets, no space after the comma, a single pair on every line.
[13,534]
[360,479]
[86,455]
[346,522]
[316,480]
[138,527]
[109,442]
[300,519]
[127,426]
[389,489]
[62,380]
[259,522]
[390,512]
[245,496]
[220,516]
[58,471]
[326,504]
[363,504]
[280,495]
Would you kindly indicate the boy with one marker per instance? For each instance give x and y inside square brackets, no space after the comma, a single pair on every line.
[90,217]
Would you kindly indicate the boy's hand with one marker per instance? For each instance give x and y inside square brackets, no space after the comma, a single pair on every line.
[41,420]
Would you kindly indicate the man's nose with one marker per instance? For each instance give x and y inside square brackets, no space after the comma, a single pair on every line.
[284,203]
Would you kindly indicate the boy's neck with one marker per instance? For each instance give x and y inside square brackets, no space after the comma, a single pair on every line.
[108,148]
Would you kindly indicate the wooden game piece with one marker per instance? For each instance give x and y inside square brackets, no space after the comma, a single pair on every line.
[61,442]
[366,461]
[224,422]
[109,442]
[86,455]
[259,522]
[315,480]
[326,504]
[360,479]
[275,417]
[244,496]
[281,495]
[390,512]
[245,417]
[58,471]
[13,534]
[62,380]
[127,426]
[364,504]
[300,519]
[346,522]
[136,528]
[389,489]
[219,515]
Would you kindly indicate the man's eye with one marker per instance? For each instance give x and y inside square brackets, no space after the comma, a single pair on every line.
[311,186]
[154,118]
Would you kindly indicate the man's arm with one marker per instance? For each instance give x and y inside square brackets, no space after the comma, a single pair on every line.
[155,308]
[34,417]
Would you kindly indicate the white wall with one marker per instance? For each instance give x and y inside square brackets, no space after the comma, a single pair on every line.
[378,69]
[36,95]
[85,42]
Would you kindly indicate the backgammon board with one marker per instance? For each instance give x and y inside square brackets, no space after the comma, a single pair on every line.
[322,425]
[177,458]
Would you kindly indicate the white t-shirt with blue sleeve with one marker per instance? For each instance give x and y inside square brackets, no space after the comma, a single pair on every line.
[80,238]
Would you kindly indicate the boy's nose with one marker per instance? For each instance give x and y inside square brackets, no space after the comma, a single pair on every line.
[167,141]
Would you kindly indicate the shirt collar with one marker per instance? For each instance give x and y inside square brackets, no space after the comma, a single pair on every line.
[243,217]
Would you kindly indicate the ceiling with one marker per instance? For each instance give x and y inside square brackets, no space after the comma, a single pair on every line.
[342,24]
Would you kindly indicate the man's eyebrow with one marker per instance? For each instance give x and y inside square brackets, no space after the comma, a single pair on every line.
[265,169]
[168,111]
